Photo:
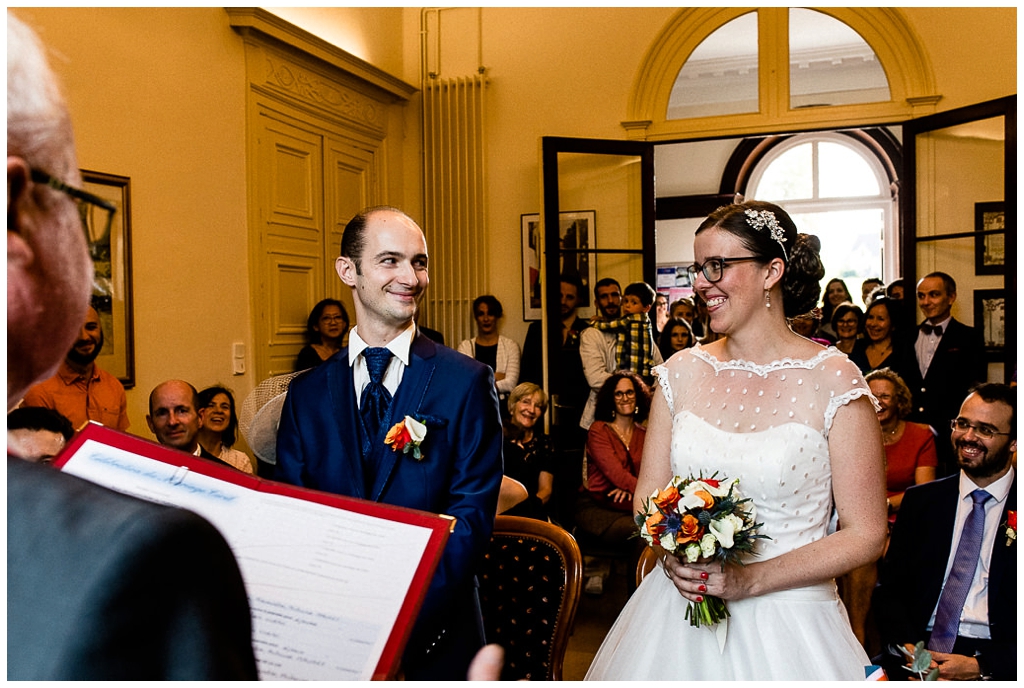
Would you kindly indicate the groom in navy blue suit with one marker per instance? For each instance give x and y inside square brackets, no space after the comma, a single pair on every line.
[337,415]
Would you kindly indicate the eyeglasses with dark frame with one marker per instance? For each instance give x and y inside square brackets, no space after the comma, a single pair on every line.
[714,268]
[985,432]
[625,393]
[96,234]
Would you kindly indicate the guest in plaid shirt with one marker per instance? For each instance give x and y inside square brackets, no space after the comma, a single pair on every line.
[634,336]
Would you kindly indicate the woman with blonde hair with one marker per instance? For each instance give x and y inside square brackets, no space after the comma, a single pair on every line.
[527,452]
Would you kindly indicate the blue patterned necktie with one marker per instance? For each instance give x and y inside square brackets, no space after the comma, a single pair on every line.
[961,575]
[375,399]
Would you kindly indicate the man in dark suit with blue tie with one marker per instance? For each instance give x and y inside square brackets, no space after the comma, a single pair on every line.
[336,418]
[950,360]
[950,573]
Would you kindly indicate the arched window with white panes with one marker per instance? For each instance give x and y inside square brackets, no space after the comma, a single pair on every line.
[837,189]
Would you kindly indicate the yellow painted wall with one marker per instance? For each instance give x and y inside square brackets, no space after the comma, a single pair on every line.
[159,95]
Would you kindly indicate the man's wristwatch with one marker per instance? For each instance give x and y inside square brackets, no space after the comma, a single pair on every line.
[983,668]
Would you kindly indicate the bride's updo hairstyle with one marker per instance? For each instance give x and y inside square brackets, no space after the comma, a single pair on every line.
[768,232]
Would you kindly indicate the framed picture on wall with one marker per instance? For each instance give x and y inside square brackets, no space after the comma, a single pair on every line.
[532,257]
[989,254]
[112,281]
[989,317]
[576,237]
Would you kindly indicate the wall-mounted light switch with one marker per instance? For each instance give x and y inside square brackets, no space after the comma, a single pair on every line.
[238,358]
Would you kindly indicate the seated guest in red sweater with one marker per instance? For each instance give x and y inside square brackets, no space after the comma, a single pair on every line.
[910,457]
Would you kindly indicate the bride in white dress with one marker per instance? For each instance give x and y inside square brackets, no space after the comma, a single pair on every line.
[795,423]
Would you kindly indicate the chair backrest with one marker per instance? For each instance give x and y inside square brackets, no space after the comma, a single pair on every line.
[529,590]
[648,560]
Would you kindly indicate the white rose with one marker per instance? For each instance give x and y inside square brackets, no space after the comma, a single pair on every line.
[707,545]
[690,501]
[417,430]
[668,542]
[723,529]
[692,552]
[737,522]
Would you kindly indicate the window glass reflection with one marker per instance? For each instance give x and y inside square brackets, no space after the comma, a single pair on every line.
[720,76]
[830,64]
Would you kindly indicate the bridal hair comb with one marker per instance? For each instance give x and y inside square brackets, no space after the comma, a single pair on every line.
[761,219]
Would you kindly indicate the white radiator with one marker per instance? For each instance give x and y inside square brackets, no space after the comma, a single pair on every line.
[454,203]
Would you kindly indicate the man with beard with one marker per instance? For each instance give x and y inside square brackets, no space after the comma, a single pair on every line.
[567,388]
[950,575]
[81,390]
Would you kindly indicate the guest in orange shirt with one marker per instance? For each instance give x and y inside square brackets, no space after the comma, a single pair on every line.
[81,390]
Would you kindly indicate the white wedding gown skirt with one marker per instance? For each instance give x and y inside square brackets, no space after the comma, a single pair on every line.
[793,635]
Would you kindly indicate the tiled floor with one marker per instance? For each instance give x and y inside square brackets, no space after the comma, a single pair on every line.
[594,616]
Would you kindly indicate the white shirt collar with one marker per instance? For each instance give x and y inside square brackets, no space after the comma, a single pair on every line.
[944,324]
[399,346]
[999,489]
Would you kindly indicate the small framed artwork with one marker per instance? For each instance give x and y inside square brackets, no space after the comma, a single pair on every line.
[112,281]
[532,252]
[576,238]
[990,222]
[989,317]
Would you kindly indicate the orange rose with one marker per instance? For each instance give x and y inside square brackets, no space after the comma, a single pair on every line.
[666,499]
[398,436]
[690,530]
[654,524]
[709,501]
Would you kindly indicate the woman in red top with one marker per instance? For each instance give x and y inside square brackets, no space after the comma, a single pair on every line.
[615,444]
[910,457]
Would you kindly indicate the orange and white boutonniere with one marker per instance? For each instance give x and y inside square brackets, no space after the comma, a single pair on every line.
[406,436]
[1011,527]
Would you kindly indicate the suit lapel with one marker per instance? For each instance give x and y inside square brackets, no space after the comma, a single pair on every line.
[343,400]
[406,402]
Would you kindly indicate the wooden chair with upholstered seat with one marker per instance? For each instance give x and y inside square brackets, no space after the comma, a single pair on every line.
[529,589]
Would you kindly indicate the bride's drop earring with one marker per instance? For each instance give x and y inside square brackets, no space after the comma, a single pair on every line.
[767,299]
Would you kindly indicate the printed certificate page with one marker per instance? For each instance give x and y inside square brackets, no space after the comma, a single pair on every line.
[326,585]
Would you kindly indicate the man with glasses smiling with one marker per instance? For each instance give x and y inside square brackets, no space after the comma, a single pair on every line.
[950,575]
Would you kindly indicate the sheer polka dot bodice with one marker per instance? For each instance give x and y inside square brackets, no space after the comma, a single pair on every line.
[767,425]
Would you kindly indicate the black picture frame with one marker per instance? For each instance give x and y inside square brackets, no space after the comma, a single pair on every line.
[989,251]
[990,319]
[577,234]
[112,279]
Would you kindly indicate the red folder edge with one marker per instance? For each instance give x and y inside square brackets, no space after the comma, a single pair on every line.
[440,526]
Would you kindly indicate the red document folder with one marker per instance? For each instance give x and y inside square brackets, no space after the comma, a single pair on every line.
[438,527]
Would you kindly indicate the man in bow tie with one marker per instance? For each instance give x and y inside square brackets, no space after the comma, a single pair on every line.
[336,418]
[950,573]
[950,361]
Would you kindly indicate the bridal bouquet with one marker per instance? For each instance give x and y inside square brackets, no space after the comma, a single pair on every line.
[701,519]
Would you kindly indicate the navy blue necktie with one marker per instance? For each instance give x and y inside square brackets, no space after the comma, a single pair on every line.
[376,398]
[961,575]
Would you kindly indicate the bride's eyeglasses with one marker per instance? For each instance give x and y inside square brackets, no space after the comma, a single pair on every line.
[713,268]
